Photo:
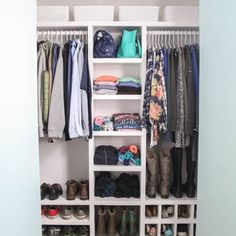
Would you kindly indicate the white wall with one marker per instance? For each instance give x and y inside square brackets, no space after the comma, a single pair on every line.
[116,3]
[19,159]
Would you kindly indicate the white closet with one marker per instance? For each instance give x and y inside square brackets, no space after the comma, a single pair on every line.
[62,160]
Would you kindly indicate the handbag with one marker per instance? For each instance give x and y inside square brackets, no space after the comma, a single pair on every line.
[130,46]
[104,45]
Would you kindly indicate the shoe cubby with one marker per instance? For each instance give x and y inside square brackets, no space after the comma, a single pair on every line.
[184,211]
[168,211]
[167,229]
[152,213]
[83,230]
[184,230]
[115,220]
[151,230]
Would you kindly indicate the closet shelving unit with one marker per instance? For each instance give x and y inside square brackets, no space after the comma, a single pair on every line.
[107,105]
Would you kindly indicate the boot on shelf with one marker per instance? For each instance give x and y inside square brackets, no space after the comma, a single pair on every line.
[132,222]
[189,187]
[84,190]
[72,189]
[177,170]
[123,224]
[101,225]
[111,221]
[152,166]
[165,172]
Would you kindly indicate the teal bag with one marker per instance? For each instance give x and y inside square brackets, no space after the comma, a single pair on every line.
[130,46]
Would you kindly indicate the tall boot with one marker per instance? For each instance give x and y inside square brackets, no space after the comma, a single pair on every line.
[177,170]
[111,221]
[152,164]
[123,224]
[189,187]
[101,227]
[165,172]
[132,222]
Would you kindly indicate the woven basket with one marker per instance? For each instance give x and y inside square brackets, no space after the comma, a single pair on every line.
[93,13]
[52,13]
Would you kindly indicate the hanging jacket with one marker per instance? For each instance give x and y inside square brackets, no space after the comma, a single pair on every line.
[56,120]
[41,57]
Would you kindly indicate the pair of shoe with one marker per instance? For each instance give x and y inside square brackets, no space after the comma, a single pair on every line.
[74,188]
[151,211]
[66,212]
[166,230]
[52,191]
[65,231]
[167,211]
[183,211]
[127,225]
[151,230]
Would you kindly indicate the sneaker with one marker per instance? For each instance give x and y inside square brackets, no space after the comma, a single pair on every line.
[52,212]
[44,231]
[66,212]
[68,231]
[81,212]
[83,231]
[54,231]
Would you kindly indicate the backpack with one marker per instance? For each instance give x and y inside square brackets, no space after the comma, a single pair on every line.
[104,45]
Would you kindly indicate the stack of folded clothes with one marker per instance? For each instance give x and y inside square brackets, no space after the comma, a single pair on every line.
[126,121]
[106,85]
[129,85]
[129,155]
[103,123]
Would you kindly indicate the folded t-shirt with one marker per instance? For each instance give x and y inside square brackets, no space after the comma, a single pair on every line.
[127,79]
[106,78]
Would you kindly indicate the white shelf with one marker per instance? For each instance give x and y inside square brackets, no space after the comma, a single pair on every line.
[63,202]
[152,220]
[60,221]
[118,168]
[117,133]
[112,201]
[117,97]
[117,60]
[170,201]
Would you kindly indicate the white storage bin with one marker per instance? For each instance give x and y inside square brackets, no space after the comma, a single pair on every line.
[93,13]
[182,14]
[139,13]
[53,13]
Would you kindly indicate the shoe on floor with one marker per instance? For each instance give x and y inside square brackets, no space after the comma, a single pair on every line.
[66,212]
[81,212]
[52,212]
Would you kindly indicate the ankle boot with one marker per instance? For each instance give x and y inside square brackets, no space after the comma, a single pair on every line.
[84,190]
[132,223]
[177,170]
[72,189]
[123,224]
[111,221]
[189,187]
[101,227]
[165,172]
[152,164]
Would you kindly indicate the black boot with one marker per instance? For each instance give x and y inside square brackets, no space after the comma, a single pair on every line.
[177,169]
[189,187]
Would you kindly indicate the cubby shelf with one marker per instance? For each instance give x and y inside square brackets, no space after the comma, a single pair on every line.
[117,133]
[117,60]
[62,201]
[60,221]
[117,168]
[112,201]
[117,97]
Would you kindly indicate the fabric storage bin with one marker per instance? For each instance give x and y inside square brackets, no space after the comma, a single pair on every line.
[139,13]
[93,13]
[52,13]
[181,13]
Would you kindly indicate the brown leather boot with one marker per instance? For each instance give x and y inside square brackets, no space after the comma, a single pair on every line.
[165,172]
[111,221]
[84,190]
[101,227]
[72,189]
[152,168]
